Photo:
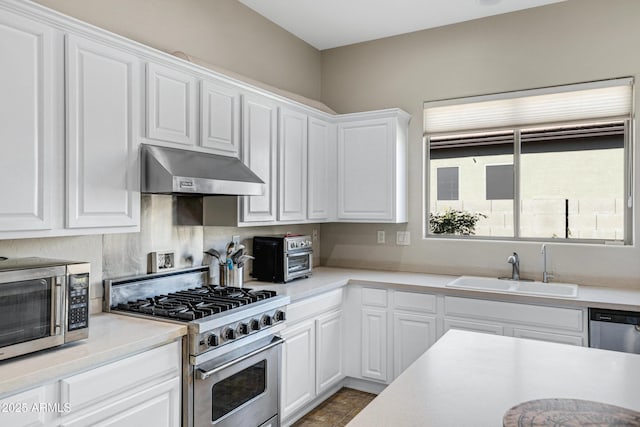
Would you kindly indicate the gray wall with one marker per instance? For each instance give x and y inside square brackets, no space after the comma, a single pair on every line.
[568,42]
[224,33]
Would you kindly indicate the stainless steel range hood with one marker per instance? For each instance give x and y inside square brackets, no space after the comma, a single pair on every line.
[175,171]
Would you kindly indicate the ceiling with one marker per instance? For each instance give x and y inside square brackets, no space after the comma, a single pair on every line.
[325,24]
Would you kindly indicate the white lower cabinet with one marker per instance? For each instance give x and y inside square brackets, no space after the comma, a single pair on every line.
[312,356]
[123,391]
[144,389]
[556,324]
[473,326]
[413,334]
[298,363]
[550,337]
[374,344]
[157,406]
[329,366]
[24,409]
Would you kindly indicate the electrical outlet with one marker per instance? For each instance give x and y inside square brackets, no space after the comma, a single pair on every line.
[403,238]
[314,234]
[381,238]
[235,240]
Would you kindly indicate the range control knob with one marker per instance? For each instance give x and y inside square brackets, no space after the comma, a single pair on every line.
[229,334]
[243,329]
[254,325]
[265,320]
[213,341]
[279,316]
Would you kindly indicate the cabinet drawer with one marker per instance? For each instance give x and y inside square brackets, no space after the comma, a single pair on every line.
[374,297]
[548,336]
[23,409]
[414,301]
[314,305]
[467,325]
[568,319]
[122,376]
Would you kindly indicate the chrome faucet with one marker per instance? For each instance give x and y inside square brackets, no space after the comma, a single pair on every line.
[514,260]
[545,275]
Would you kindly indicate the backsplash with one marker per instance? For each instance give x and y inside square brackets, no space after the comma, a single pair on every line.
[126,254]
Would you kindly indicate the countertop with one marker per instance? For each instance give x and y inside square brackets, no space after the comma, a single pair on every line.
[111,337]
[472,379]
[325,279]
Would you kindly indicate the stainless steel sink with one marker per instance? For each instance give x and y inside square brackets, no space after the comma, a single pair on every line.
[565,290]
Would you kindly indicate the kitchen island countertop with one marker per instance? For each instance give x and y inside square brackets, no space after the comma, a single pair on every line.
[472,379]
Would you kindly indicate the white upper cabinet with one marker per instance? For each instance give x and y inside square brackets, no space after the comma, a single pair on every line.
[259,150]
[321,173]
[372,167]
[30,103]
[103,91]
[292,166]
[220,118]
[171,105]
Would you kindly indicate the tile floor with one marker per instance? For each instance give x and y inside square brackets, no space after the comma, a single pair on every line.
[337,410]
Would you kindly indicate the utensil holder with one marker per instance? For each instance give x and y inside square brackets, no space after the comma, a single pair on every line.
[238,277]
[224,275]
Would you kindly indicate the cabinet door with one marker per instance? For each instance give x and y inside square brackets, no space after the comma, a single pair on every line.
[322,170]
[171,105]
[30,103]
[366,170]
[103,110]
[220,118]
[374,344]
[292,166]
[328,351]
[259,145]
[413,334]
[298,367]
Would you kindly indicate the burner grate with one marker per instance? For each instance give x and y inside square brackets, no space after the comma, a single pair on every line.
[196,303]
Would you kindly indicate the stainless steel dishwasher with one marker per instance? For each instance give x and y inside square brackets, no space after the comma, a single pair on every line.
[614,330]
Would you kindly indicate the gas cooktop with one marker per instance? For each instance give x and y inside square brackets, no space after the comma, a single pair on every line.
[219,319]
[195,303]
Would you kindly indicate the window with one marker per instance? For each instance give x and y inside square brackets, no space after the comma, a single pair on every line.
[499,182]
[551,163]
[448,183]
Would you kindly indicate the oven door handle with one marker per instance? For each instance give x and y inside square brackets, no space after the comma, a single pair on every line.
[203,375]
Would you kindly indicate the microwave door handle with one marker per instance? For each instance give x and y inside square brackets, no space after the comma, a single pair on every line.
[56,309]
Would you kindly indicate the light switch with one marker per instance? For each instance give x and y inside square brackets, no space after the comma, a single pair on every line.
[403,238]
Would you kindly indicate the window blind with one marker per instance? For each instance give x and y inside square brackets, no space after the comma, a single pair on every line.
[584,101]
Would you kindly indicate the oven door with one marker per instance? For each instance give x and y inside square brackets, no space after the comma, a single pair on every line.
[239,389]
[297,264]
[31,310]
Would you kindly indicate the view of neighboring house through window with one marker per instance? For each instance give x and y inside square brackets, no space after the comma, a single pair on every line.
[447,183]
[557,168]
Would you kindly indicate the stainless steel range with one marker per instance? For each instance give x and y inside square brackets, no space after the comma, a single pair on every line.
[231,369]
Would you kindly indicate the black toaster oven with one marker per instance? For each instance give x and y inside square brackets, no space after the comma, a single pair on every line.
[282,258]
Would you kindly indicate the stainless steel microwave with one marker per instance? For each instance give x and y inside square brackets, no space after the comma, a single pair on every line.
[43,303]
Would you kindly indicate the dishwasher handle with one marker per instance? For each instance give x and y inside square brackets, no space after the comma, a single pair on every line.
[615,316]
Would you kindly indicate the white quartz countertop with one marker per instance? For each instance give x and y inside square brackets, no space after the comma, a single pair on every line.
[472,379]
[111,337]
[325,279]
